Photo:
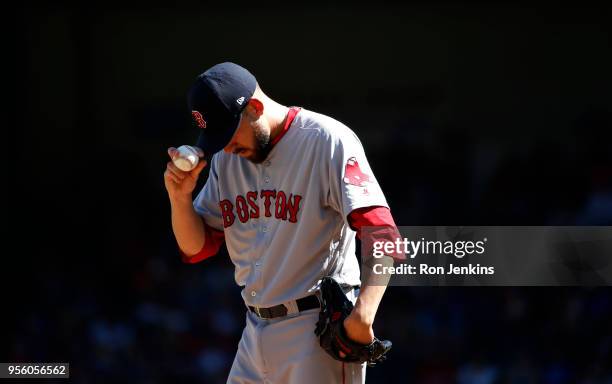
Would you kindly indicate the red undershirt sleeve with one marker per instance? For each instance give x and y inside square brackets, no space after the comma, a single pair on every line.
[374,216]
[214,240]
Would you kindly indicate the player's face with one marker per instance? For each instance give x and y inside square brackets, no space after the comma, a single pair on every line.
[251,140]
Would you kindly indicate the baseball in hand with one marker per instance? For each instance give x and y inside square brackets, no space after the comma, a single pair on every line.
[187,157]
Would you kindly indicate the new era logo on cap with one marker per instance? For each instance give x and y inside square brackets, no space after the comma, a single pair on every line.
[240,100]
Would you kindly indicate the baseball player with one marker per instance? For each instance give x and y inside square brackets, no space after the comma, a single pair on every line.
[288,191]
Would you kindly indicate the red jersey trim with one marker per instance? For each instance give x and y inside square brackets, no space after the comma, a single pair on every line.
[290,116]
[213,241]
[375,216]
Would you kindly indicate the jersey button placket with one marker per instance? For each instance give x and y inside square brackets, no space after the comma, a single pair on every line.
[263,229]
[266,180]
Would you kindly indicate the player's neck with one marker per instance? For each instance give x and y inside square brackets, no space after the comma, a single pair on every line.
[278,117]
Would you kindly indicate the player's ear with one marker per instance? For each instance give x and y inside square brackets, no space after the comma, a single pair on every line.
[255,107]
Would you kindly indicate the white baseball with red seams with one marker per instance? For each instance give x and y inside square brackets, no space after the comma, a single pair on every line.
[186,157]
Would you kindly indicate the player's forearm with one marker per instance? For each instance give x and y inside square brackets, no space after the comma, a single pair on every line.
[368,302]
[187,225]
[372,290]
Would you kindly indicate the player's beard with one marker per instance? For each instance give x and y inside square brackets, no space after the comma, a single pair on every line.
[262,145]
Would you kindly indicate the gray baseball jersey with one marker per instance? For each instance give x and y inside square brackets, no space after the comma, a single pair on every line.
[285,220]
[285,227]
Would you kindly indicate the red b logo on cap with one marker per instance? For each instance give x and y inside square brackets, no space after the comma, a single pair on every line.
[197,116]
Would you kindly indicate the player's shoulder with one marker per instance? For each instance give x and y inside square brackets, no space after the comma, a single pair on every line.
[323,127]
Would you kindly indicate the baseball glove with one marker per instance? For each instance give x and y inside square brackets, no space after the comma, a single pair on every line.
[335,307]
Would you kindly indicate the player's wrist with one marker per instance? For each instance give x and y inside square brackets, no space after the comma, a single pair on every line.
[357,330]
[362,315]
[181,199]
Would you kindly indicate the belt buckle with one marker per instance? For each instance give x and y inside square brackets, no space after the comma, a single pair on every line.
[257,312]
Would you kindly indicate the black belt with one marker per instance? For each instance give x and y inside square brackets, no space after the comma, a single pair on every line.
[303,304]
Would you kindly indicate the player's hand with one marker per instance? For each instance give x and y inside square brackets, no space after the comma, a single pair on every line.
[358,330]
[180,184]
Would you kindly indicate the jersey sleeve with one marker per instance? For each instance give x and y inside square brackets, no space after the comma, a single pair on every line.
[351,180]
[206,203]
[375,224]
[214,240]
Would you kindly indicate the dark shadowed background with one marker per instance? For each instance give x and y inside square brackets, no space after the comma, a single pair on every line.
[473,114]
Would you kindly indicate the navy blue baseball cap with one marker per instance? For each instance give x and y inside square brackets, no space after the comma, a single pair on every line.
[216,100]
